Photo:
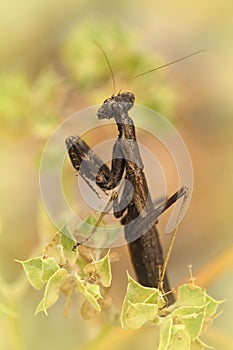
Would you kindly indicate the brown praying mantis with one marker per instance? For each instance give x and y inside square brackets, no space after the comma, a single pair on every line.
[135,207]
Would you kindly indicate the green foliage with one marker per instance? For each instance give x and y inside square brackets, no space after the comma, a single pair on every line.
[52,290]
[102,268]
[184,321]
[62,270]
[59,271]
[29,105]
[140,305]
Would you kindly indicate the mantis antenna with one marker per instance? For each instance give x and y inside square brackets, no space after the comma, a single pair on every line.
[170,63]
[108,64]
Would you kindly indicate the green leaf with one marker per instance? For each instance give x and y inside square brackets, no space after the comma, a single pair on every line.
[52,248]
[188,296]
[139,314]
[90,291]
[140,305]
[49,267]
[68,241]
[179,338]
[192,317]
[93,289]
[60,248]
[137,293]
[52,290]
[102,268]
[165,334]
[40,307]
[33,271]
[212,306]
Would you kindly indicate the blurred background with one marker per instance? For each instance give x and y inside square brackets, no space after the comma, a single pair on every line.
[50,69]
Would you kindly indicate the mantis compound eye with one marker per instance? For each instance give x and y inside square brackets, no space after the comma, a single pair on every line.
[125,101]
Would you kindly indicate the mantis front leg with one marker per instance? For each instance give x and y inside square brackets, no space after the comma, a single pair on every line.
[91,167]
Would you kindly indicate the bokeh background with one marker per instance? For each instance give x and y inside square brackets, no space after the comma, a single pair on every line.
[49,69]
